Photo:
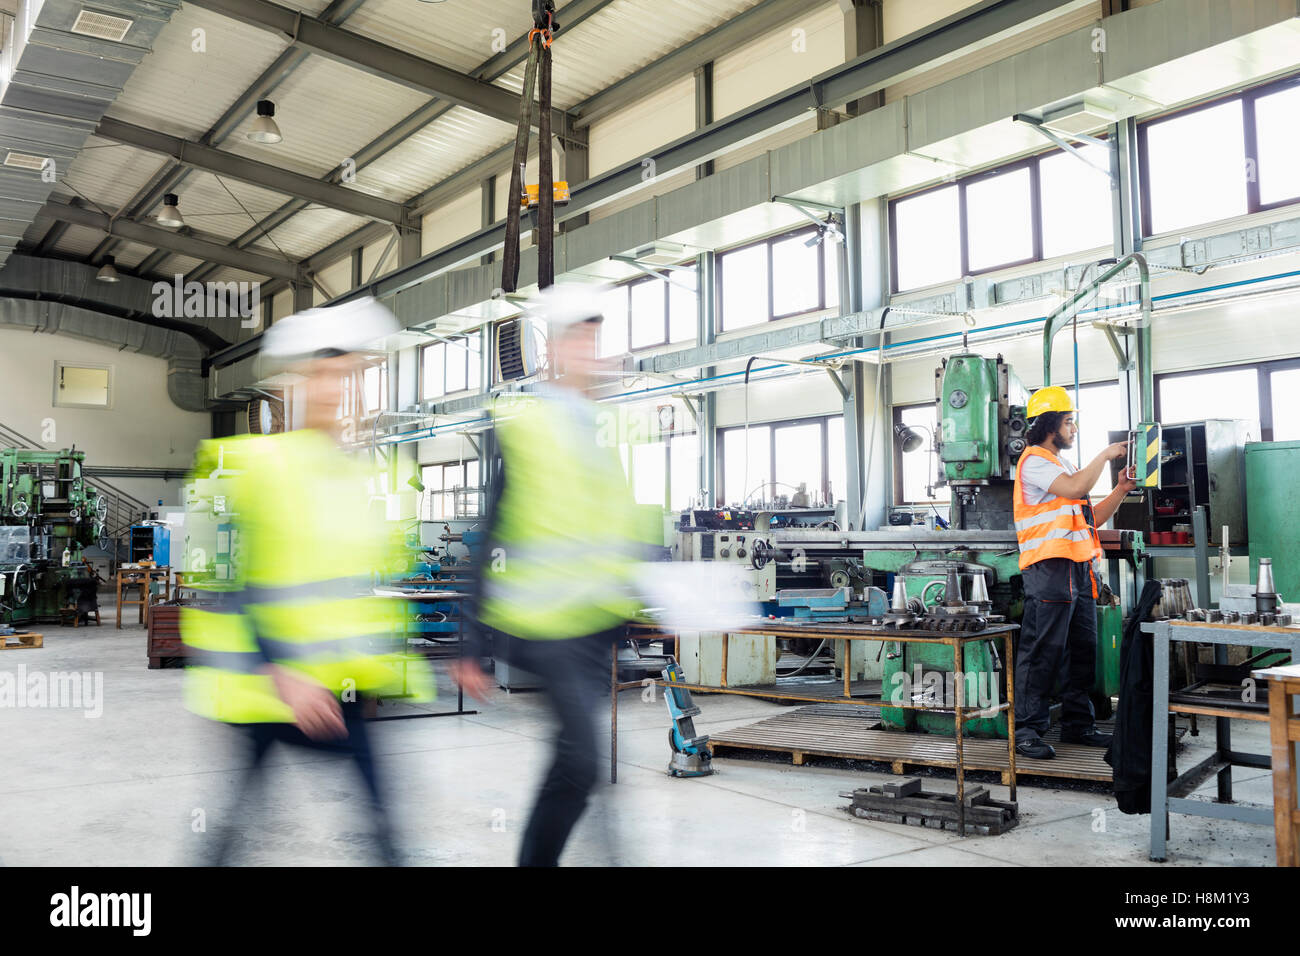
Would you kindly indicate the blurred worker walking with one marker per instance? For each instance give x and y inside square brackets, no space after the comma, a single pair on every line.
[554,584]
[293,642]
[1056,530]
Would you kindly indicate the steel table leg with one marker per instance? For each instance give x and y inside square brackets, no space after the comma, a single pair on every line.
[1159,742]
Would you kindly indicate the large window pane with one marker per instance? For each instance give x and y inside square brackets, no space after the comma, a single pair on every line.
[795,286]
[613,330]
[647,313]
[831,257]
[1230,393]
[999,220]
[683,307]
[1075,202]
[1197,168]
[799,460]
[744,287]
[457,366]
[648,464]
[742,479]
[1101,411]
[919,467]
[474,380]
[376,387]
[434,374]
[928,242]
[685,467]
[836,474]
[1286,400]
[1277,140]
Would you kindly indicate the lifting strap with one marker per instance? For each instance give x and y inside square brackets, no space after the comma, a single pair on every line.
[539,61]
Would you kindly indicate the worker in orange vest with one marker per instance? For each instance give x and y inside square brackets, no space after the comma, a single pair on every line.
[1059,554]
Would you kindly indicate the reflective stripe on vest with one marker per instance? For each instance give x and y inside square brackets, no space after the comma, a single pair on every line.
[563,549]
[1055,528]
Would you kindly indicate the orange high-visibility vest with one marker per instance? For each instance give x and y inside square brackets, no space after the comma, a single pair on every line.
[1057,528]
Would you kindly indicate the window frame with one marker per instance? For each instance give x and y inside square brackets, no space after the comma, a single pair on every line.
[1250,136]
[426,496]
[452,343]
[664,278]
[770,242]
[896,418]
[109,391]
[1035,211]
[719,456]
[1264,383]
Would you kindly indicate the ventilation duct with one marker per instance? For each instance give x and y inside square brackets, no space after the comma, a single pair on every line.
[61,67]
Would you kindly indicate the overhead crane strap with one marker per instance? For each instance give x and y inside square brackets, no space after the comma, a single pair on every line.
[539,61]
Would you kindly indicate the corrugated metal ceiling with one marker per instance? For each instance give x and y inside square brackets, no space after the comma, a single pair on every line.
[110,174]
[327,111]
[621,39]
[183,92]
[445,146]
[309,231]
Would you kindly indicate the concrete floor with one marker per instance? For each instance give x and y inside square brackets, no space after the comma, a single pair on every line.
[146,784]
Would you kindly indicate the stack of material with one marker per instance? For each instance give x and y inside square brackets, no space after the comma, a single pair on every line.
[906,803]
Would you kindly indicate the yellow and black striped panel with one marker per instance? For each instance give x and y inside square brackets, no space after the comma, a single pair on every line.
[1147,455]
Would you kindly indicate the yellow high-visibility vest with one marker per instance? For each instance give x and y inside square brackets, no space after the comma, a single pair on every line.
[302,597]
[567,536]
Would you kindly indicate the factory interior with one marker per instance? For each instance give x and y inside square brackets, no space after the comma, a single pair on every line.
[288,286]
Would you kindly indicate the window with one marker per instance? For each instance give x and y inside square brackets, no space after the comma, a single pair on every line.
[670,467]
[375,387]
[1218,393]
[451,490]
[744,287]
[1101,411]
[650,312]
[1277,144]
[1224,159]
[450,367]
[1049,205]
[1285,388]
[1075,202]
[83,386]
[613,328]
[1195,167]
[776,278]
[782,456]
[927,245]
[916,473]
[999,220]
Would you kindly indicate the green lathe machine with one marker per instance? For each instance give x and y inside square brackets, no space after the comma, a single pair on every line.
[981,413]
[47,515]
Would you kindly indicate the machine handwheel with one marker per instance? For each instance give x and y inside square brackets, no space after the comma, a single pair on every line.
[101,509]
[760,555]
[943,592]
[22,584]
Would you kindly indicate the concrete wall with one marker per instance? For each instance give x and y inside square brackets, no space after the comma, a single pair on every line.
[143,427]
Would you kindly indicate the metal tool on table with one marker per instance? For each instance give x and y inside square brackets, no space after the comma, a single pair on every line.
[691,756]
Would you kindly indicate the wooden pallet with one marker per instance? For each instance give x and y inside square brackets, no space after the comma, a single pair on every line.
[832,731]
[13,642]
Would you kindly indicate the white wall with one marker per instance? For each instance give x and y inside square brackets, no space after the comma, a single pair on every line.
[142,428]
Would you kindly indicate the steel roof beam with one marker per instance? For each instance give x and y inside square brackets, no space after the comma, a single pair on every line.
[252,171]
[173,242]
[371,56]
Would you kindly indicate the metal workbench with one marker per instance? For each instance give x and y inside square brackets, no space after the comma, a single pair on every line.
[1173,796]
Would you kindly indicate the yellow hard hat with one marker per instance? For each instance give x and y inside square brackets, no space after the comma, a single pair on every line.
[1049,398]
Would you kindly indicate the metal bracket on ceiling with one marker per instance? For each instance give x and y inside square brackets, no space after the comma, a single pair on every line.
[832,225]
[654,273]
[830,370]
[1054,137]
[689,402]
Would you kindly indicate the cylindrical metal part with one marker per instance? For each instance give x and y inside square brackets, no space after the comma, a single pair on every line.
[1265,595]
[952,589]
[899,602]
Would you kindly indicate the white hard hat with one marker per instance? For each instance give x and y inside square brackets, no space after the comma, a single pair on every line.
[346,327]
[568,303]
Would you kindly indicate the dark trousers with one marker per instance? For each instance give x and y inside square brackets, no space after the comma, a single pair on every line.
[258,741]
[1058,639]
[576,675]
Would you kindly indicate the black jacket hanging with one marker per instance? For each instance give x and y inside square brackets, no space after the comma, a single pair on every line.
[1129,754]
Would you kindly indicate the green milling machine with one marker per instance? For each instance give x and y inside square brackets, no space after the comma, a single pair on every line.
[48,514]
[981,413]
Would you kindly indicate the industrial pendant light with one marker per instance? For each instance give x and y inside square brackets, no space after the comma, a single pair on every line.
[264,128]
[108,271]
[171,212]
